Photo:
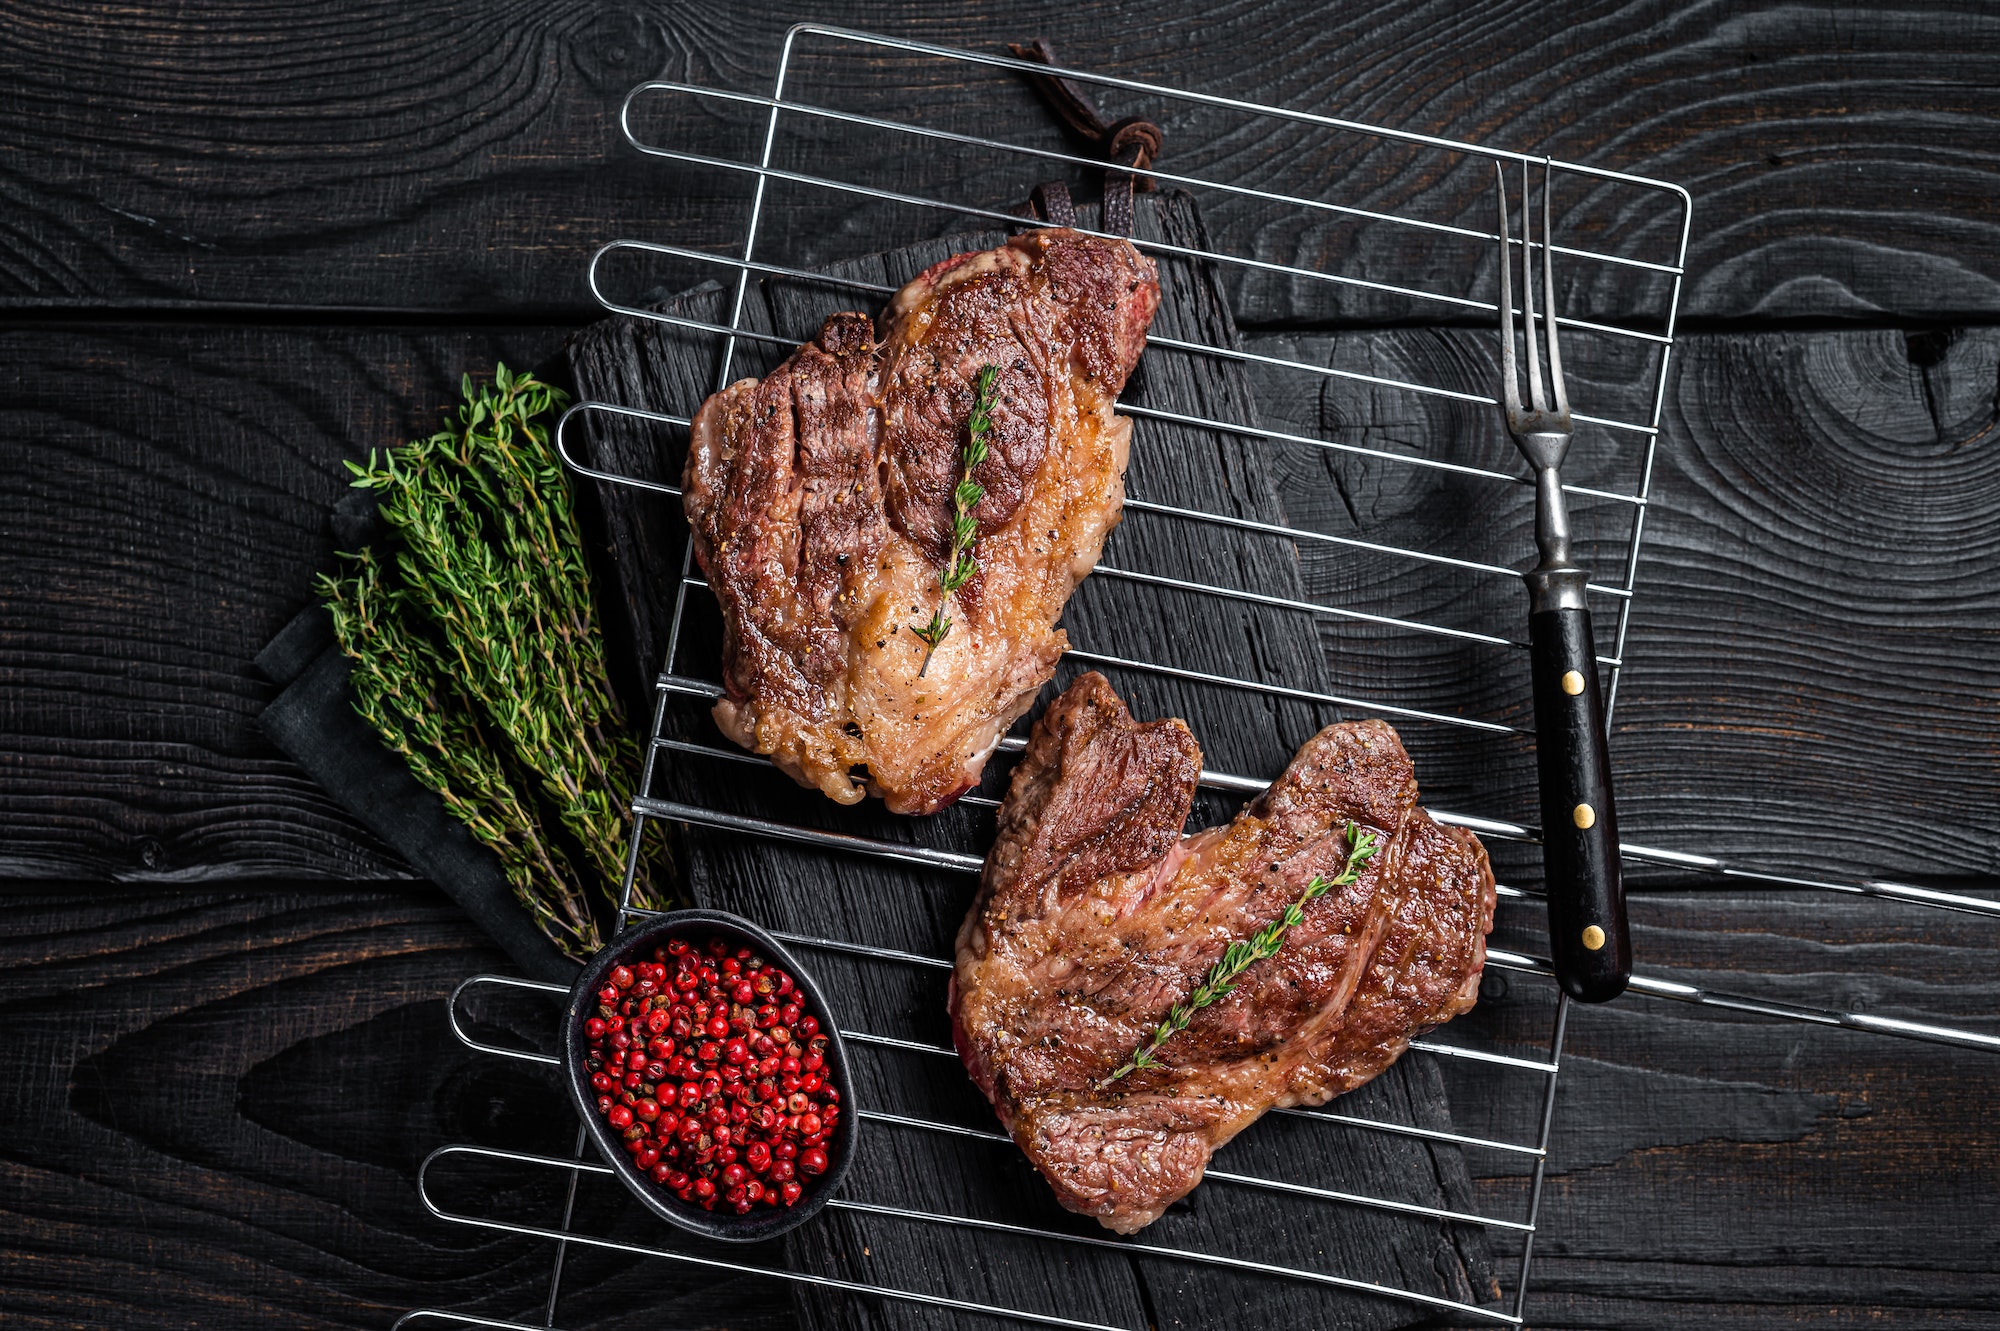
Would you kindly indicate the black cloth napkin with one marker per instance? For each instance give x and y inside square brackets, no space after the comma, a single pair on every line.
[313,721]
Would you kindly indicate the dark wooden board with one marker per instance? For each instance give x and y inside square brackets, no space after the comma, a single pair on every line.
[437,158]
[660,368]
[225,1094]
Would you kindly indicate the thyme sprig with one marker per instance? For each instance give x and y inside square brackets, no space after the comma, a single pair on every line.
[477,655]
[1242,954]
[960,566]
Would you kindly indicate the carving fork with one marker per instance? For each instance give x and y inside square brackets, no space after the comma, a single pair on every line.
[1588,939]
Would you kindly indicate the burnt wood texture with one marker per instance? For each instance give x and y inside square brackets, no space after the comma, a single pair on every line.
[218,1098]
[429,158]
[241,246]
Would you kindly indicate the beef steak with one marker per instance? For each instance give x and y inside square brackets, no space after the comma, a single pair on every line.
[820,500]
[1095,916]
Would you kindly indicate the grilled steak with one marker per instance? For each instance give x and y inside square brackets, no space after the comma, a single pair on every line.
[1095,916]
[820,499]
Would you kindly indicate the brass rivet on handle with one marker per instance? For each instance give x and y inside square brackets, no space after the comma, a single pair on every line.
[1593,937]
[1572,683]
[1584,816]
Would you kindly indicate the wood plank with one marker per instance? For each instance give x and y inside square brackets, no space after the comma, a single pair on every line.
[398,157]
[1723,1170]
[1818,574]
[216,1102]
[662,368]
[165,508]
[1751,1173]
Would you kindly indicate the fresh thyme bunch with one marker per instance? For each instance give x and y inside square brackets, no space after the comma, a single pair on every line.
[1240,955]
[477,654]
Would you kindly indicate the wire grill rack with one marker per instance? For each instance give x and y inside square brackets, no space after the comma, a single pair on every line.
[1646,257]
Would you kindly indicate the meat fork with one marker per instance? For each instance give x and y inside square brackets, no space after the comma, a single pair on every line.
[1588,939]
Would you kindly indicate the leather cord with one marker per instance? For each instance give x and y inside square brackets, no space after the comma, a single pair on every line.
[1052,203]
[1131,145]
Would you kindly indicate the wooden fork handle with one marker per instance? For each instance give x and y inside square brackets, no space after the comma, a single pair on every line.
[1588,938]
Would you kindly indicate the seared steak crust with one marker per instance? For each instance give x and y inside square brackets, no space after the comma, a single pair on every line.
[1094,916]
[820,504]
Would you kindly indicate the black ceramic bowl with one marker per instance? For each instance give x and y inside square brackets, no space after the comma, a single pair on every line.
[637,944]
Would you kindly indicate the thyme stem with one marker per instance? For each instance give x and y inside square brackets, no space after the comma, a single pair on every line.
[477,654]
[958,569]
[1244,953]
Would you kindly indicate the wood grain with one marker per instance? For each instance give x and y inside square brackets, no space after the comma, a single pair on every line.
[1889,629]
[165,506]
[435,157]
[1816,584]
[226,1101]
[230,1090]
[1818,574]
[240,245]
[1737,1172]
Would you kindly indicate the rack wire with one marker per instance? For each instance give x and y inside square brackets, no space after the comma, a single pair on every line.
[1647,331]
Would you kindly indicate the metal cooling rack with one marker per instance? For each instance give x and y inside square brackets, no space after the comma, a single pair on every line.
[786,114]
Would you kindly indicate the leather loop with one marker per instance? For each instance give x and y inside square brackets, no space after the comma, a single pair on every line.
[1133,143]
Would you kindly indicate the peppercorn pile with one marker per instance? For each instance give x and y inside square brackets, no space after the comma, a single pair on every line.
[707,1066]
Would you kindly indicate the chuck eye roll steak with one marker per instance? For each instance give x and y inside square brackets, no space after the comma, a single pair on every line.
[1095,916]
[821,504]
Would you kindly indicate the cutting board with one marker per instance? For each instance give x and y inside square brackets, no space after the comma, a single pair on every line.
[844,896]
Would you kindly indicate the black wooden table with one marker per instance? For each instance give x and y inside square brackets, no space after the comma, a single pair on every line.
[242,245]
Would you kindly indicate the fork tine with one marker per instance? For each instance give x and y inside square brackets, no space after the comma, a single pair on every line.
[1535,393]
[1510,385]
[1549,289]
